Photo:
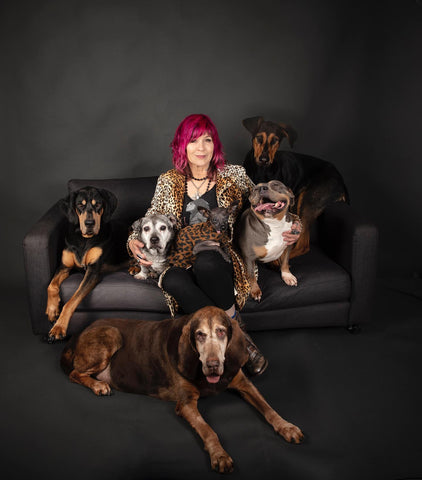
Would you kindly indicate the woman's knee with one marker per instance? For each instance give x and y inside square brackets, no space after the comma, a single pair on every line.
[210,263]
[175,279]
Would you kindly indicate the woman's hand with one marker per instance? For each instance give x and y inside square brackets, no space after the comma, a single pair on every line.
[293,235]
[135,247]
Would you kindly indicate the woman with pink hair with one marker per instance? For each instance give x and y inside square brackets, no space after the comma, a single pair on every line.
[202,176]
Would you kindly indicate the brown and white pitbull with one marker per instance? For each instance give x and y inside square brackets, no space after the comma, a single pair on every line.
[259,236]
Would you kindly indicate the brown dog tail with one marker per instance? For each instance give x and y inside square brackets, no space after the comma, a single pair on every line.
[68,354]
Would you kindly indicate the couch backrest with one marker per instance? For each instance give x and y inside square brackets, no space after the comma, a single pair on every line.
[133,194]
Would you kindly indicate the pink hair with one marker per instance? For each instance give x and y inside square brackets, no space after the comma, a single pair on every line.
[191,128]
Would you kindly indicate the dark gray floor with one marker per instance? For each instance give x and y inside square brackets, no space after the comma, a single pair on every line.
[357,398]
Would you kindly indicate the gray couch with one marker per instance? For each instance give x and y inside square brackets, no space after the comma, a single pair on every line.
[336,278]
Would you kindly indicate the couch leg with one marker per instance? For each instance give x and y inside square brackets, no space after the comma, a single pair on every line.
[354,328]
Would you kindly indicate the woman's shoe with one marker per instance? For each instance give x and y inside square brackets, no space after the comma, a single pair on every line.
[257,363]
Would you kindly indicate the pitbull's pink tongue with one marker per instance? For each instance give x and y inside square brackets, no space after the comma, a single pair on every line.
[264,206]
[213,378]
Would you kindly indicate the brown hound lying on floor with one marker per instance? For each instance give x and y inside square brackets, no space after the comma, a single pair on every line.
[190,357]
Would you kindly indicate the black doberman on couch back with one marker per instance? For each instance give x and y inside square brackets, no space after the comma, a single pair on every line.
[315,183]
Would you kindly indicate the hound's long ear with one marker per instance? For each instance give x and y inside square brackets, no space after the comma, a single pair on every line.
[67,206]
[110,204]
[289,132]
[252,124]
[188,358]
[236,352]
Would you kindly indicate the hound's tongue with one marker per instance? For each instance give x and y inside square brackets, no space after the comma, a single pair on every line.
[213,378]
[269,206]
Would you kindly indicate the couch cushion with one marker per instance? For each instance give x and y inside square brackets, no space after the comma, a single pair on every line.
[117,291]
[320,281]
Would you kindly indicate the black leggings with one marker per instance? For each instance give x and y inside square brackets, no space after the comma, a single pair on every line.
[208,282]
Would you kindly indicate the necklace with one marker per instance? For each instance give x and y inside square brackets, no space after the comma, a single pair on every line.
[199,179]
[198,195]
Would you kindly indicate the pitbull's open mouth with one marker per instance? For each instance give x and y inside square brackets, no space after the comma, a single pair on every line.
[269,206]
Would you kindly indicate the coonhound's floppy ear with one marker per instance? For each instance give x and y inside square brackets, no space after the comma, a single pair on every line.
[289,132]
[110,203]
[252,124]
[236,352]
[67,206]
[188,358]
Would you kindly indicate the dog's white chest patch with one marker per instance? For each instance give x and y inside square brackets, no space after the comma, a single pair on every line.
[275,245]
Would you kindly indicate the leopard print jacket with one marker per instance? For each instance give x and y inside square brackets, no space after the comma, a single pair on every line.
[232,184]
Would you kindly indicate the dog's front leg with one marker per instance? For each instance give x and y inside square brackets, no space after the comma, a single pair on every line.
[255,291]
[250,393]
[220,459]
[53,292]
[59,330]
[286,274]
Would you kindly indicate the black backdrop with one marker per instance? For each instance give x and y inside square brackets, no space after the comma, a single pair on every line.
[95,89]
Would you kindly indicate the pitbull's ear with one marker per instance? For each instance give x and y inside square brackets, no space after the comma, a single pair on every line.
[292,197]
[289,132]
[252,124]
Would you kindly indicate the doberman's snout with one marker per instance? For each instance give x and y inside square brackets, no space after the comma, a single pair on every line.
[89,222]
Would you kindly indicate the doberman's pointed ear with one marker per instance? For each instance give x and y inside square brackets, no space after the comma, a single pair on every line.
[252,124]
[236,352]
[289,132]
[188,357]
[110,204]
[67,206]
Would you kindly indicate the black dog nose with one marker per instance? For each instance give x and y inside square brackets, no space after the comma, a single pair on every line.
[154,240]
[89,223]
[212,362]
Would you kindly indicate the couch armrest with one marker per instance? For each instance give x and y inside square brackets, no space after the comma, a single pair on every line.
[41,247]
[352,242]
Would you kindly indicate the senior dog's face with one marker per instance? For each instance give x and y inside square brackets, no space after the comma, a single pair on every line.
[156,232]
[89,206]
[210,331]
[271,200]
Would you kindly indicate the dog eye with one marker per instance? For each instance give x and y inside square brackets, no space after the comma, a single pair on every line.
[146,229]
[259,139]
[221,333]
[274,141]
[201,336]
[163,227]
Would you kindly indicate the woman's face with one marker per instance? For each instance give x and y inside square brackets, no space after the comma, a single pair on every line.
[200,152]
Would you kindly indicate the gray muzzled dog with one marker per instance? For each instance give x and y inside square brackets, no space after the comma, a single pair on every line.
[156,232]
